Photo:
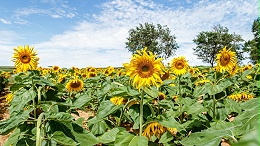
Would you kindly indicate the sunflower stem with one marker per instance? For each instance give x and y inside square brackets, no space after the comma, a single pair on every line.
[34,103]
[214,98]
[141,113]
[214,107]
[181,118]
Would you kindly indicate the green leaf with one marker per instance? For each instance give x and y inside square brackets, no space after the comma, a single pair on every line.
[200,90]
[195,108]
[61,116]
[166,137]
[16,86]
[153,92]
[61,138]
[21,99]
[215,89]
[123,138]
[169,121]
[249,139]
[107,108]
[206,138]
[13,138]
[231,106]
[83,136]
[99,128]
[109,136]
[81,101]
[11,123]
[256,84]
[250,104]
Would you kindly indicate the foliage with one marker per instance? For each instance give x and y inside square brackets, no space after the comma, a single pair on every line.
[209,43]
[252,46]
[4,76]
[41,112]
[157,39]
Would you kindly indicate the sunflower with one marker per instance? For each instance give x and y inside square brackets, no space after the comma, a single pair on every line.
[56,68]
[175,97]
[240,96]
[61,78]
[118,100]
[161,96]
[92,74]
[179,65]
[234,70]
[144,69]
[202,82]
[74,85]
[155,128]
[25,58]
[226,59]
[9,97]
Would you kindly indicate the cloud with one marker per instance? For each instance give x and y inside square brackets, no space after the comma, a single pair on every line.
[5,21]
[7,41]
[101,41]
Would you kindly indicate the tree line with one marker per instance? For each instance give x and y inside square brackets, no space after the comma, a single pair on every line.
[159,40]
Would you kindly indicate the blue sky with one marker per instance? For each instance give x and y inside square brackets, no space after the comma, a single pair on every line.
[85,33]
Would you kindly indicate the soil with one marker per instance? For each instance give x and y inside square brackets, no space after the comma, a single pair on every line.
[3,114]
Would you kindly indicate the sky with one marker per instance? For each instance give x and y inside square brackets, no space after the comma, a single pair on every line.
[84,33]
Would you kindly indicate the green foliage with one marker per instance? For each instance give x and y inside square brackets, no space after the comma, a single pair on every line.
[41,110]
[209,43]
[157,39]
[252,46]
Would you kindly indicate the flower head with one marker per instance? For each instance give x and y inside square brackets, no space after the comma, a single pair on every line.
[144,69]
[118,100]
[25,58]
[9,97]
[179,65]
[155,128]
[74,85]
[226,59]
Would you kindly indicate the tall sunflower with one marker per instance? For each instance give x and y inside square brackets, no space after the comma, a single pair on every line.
[74,85]
[144,69]
[226,59]
[179,65]
[25,58]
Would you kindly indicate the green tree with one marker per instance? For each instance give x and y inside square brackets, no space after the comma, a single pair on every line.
[157,39]
[252,46]
[209,43]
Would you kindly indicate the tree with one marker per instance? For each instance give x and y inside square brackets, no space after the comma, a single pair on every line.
[157,40]
[252,46]
[209,43]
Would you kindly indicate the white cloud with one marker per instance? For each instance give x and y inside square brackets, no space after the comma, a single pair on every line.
[101,42]
[5,21]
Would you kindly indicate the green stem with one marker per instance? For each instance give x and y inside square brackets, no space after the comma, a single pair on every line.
[180,99]
[141,113]
[39,95]
[38,131]
[214,107]
[34,103]
[120,118]
[126,106]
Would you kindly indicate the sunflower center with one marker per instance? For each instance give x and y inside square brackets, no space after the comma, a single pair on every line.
[75,84]
[224,59]
[25,58]
[179,65]
[145,69]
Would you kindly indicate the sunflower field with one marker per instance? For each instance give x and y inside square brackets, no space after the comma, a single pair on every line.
[143,103]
